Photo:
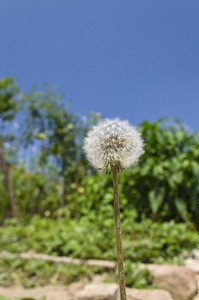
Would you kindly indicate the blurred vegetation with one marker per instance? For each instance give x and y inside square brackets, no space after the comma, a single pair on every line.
[146,242]
[51,199]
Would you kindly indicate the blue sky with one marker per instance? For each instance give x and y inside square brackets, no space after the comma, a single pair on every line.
[133,59]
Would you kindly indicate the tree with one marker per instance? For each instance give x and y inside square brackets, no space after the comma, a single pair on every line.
[8,110]
[49,123]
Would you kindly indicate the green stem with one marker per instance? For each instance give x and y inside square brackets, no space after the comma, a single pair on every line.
[118,235]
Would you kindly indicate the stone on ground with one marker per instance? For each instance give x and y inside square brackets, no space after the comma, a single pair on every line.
[180,282]
[99,291]
[192,264]
[137,294]
[49,292]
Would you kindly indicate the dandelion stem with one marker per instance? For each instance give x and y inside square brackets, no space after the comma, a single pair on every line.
[118,235]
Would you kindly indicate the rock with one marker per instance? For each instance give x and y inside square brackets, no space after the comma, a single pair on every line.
[192,264]
[103,291]
[180,282]
[196,297]
[194,254]
[99,291]
[136,294]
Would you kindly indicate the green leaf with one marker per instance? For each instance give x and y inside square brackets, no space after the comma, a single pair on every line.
[156,198]
[181,208]
[175,179]
[40,135]
[195,167]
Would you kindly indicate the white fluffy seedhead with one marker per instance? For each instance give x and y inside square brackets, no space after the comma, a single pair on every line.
[113,143]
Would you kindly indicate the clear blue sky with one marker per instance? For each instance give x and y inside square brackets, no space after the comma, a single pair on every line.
[135,59]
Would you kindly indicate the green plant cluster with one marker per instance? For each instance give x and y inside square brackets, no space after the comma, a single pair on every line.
[145,242]
[163,186]
[28,188]
[135,277]
[168,175]
[33,272]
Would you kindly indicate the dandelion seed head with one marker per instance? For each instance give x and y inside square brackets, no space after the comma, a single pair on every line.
[113,143]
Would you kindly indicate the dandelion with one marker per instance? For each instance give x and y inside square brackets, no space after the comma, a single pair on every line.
[114,145]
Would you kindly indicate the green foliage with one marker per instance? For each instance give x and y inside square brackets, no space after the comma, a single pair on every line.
[168,173]
[59,133]
[31,273]
[135,277]
[3,199]
[9,106]
[145,242]
[34,192]
[162,186]
[49,121]
[8,102]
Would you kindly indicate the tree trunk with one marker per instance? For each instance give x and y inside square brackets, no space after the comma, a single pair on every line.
[8,185]
[61,193]
[38,189]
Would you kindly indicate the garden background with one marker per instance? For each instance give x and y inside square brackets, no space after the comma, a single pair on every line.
[55,203]
[133,60]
